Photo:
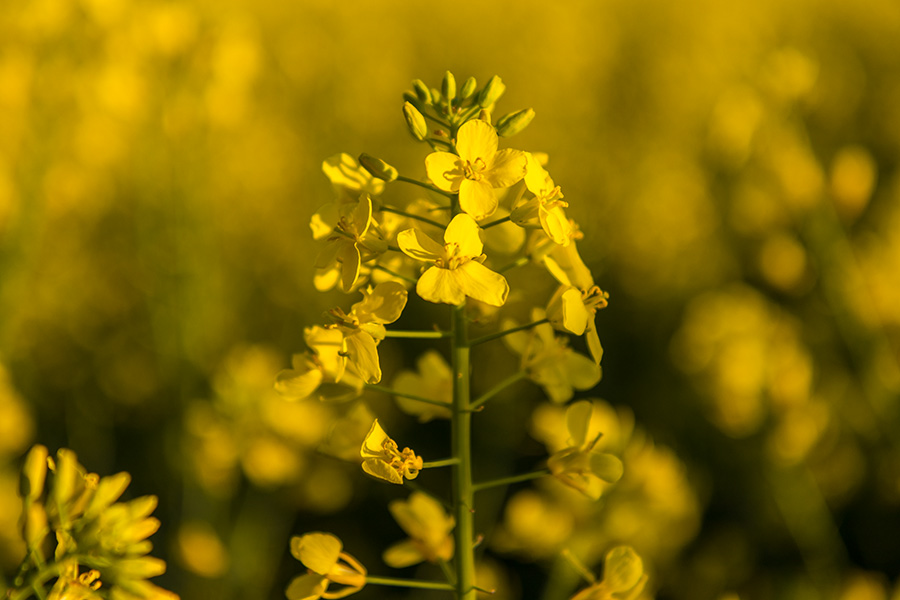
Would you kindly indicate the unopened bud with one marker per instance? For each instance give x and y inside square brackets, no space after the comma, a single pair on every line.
[491,92]
[485,115]
[415,121]
[513,123]
[413,99]
[448,86]
[377,167]
[468,88]
[422,91]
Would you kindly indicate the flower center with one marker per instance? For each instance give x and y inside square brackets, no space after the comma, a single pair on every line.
[474,170]
[594,299]
[451,258]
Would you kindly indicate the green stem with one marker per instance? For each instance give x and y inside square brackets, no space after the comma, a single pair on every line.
[461,431]
[378,388]
[36,585]
[484,485]
[447,462]
[500,334]
[409,583]
[519,262]
[518,375]
[436,120]
[497,222]
[410,215]
[395,274]
[424,185]
[416,335]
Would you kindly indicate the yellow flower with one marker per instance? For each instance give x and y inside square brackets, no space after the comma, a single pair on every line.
[383,459]
[380,306]
[573,310]
[321,554]
[623,577]
[328,363]
[354,239]
[456,270]
[546,207]
[579,466]
[349,178]
[477,170]
[428,526]
[550,362]
[434,381]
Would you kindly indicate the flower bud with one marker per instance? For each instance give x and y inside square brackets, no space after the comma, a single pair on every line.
[491,92]
[468,88]
[34,473]
[377,167]
[448,86]
[513,123]
[415,121]
[422,91]
[413,99]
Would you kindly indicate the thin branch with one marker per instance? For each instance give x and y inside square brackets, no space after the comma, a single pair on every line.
[378,388]
[517,376]
[500,334]
[510,480]
[409,215]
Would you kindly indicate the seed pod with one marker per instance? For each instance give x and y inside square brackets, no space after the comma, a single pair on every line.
[377,167]
[513,123]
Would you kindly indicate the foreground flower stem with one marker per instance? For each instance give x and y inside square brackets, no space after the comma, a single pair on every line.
[461,431]
[510,480]
[421,335]
[500,334]
[408,583]
[426,186]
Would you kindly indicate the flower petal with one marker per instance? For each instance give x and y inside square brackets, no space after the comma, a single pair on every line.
[307,587]
[479,282]
[300,382]
[593,341]
[556,225]
[464,231]
[578,418]
[374,441]
[477,139]
[403,554]
[445,170]
[348,256]
[317,551]
[574,315]
[537,179]
[381,470]
[363,356]
[441,285]
[477,198]
[583,373]
[508,168]
[418,245]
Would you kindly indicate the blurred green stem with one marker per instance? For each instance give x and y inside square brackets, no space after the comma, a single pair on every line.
[510,480]
[386,390]
[517,376]
[500,334]
[409,215]
[408,583]
[427,186]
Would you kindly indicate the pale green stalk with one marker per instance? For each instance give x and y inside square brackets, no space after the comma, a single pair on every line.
[461,428]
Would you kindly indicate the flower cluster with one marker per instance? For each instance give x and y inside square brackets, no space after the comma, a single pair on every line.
[99,541]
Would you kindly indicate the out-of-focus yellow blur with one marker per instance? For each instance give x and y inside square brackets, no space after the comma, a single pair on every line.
[734,166]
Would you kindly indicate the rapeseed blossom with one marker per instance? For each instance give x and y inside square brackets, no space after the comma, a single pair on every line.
[457,270]
[383,459]
[322,555]
[477,170]
[426,522]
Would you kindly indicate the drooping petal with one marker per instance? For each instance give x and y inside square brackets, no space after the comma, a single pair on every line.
[384,305]
[606,466]
[583,373]
[361,216]
[593,341]
[556,225]
[482,284]
[310,586]
[327,344]
[477,198]
[373,444]
[508,168]
[441,286]
[403,554]
[477,139]
[464,231]
[301,381]
[445,170]
[574,314]
[418,245]
[381,470]
[537,179]
[348,256]
[363,356]
[578,419]
[317,551]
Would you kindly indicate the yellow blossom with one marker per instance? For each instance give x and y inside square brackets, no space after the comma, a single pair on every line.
[579,465]
[550,362]
[456,270]
[321,554]
[573,310]
[433,381]
[383,459]
[623,577]
[546,207]
[428,526]
[477,170]
[354,239]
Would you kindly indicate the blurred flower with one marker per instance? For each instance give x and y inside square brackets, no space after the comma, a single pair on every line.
[623,577]
[434,381]
[477,170]
[579,465]
[321,554]
[456,270]
[428,526]
[546,207]
[355,239]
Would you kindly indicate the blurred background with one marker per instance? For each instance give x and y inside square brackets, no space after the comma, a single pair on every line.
[733,167]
